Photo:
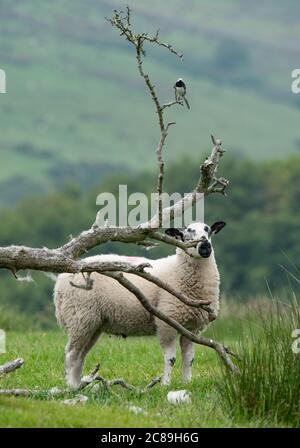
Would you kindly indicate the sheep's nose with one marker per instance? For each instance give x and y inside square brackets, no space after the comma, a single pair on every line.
[204,248]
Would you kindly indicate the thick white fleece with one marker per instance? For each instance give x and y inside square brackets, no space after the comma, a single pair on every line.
[110,308]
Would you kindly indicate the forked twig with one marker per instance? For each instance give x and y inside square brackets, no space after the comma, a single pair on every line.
[11,366]
[95,378]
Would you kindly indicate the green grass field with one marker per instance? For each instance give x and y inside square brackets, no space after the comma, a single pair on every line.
[218,400]
[137,360]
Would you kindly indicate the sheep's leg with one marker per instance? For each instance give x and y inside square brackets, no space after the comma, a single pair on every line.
[167,338]
[75,354]
[73,365]
[187,354]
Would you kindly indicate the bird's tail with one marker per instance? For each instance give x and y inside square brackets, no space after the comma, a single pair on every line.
[186,102]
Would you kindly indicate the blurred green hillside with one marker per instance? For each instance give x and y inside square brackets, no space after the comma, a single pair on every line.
[76,109]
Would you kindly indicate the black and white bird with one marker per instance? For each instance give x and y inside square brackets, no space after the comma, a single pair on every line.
[180,91]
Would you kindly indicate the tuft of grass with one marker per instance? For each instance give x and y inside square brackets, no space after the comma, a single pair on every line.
[268,385]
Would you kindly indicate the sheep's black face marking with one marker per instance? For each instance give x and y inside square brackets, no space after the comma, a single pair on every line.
[205,249]
[191,232]
[175,233]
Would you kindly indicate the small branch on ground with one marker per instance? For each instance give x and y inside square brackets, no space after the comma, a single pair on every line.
[11,366]
[95,378]
[17,392]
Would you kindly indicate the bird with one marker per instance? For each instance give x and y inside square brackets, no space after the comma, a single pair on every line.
[180,91]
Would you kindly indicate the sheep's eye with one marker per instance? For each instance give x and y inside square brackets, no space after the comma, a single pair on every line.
[206,229]
[189,230]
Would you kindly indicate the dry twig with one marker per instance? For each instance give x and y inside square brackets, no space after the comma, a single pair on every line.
[11,366]
[122,22]
[94,377]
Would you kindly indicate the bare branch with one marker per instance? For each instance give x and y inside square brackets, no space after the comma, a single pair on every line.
[94,377]
[11,366]
[123,24]
[171,103]
[88,282]
[182,297]
[27,278]
[162,44]
[207,184]
[64,259]
[161,164]
[210,167]
[99,235]
[17,392]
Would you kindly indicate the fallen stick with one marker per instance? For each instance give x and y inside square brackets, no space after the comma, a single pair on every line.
[94,377]
[11,366]
[17,392]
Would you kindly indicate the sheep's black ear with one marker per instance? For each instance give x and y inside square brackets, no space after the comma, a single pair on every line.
[217,226]
[175,233]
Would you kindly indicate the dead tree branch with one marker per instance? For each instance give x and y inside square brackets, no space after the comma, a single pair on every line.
[203,304]
[94,377]
[88,282]
[122,22]
[208,183]
[17,392]
[11,366]
[56,261]
[88,381]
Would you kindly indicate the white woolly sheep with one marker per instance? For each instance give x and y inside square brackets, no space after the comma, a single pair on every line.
[110,308]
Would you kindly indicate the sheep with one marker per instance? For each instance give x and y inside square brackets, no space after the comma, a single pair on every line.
[110,308]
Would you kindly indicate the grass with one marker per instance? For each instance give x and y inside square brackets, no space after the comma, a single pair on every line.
[269,383]
[217,400]
[138,360]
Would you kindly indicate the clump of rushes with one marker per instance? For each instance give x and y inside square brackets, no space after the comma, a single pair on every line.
[268,386]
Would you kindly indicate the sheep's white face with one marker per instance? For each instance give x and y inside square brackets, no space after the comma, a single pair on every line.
[201,234]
